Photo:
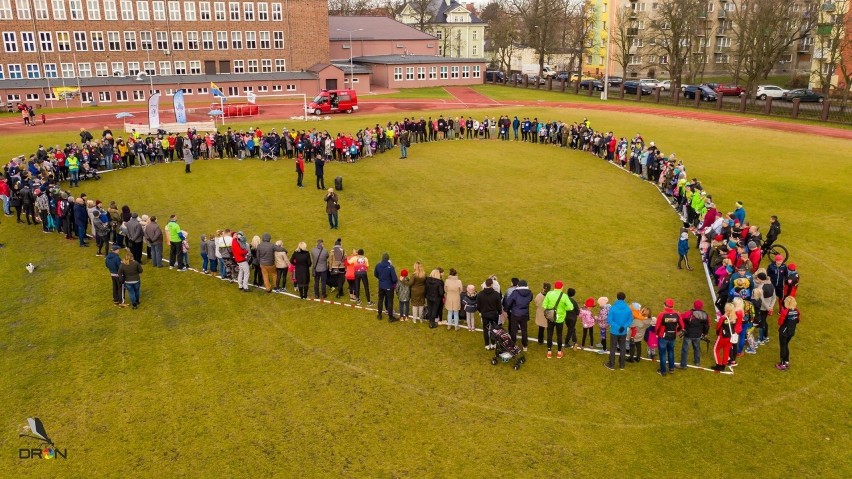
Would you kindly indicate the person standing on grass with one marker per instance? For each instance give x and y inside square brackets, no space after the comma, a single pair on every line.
[332,207]
[668,326]
[386,274]
[571,321]
[725,328]
[696,325]
[300,170]
[556,299]
[788,319]
[301,260]
[682,250]
[453,289]
[240,249]
[490,307]
[619,320]
[187,156]
[518,307]
[361,264]
[403,294]
[319,165]
[113,264]
[128,272]
[404,144]
[175,244]
[540,320]
[266,261]
[434,292]
[418,292]
[319,260]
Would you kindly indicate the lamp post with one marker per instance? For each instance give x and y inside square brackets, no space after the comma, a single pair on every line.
[350,32]
[605,92]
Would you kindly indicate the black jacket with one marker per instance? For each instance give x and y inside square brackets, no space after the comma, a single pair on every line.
[696,325]
[434,289]
[519,301]
[488,303]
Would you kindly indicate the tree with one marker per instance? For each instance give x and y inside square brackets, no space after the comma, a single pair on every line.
[423,11]
[624,33]
[844,82]
[577,25]
[832,46]
[501,35]
[762,31]
[348,8]
[539,21]
[676,28]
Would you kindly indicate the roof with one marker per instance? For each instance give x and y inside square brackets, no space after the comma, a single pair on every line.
[219,79]
[318,67]
[443,7]
[356,68]
[372,28]
[412,59]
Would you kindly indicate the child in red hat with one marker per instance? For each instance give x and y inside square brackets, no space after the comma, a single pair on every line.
[588,321]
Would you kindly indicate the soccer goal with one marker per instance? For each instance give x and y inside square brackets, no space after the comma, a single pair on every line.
[274,99]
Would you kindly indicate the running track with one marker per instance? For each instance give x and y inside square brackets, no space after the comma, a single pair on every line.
[464,97]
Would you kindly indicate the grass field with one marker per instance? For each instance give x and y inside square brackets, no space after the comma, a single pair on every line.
[204,382]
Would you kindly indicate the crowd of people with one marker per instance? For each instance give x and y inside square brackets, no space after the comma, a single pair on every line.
[732,248]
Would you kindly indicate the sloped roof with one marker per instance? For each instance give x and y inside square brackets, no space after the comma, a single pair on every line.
[372,28]
[442,8]
[410,59]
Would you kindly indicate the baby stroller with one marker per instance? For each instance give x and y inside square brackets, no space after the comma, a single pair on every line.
[267,153]
[506,348]
[89,172]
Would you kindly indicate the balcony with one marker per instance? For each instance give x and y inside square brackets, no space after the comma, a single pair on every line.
[824,29]
[632,32]
[722,48]
[722,32]
[721,14]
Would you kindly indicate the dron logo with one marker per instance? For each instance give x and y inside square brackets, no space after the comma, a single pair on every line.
[35,430]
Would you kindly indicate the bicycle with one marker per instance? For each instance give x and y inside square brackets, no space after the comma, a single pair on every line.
[775,249]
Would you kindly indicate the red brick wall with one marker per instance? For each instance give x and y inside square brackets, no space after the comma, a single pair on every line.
[382,47]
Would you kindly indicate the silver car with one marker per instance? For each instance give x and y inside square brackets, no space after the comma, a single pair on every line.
[766,91]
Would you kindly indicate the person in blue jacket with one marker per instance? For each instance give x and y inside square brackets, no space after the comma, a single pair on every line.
[81,220]
[515,125]
[112,263]
[619,320]
[740,213]
[518,307]
[386,275]
[682,250]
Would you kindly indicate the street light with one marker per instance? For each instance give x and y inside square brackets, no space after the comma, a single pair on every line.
[350,32]
[605,92]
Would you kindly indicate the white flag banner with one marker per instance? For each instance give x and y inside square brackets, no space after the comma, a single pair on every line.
[154,111]
[251,97]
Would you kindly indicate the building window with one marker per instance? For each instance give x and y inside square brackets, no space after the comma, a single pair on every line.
[234,11]
[222,40]
[146,42]
[41,9]
[276,87]
[132,68]
[465,71]
[76,9]
[186,91]
[84,70]
[143,12]
[276,12]
[237,40]
[138,95]
[28,41]
[192,40]
[93,8]
[251,40]
[162,41]
[174,11]
[444,70]
[409,73]
[97,41]
[165,68]
[397,73]
[50,70]
[247,89]
[101,69]
[159,10]
[474,50]
[433,73]
[130,41]
[195,67]
[233,91]
[262,11]
[455,72]
[262,88]
[121,95]
[207,40]
[421,73]
[13,97]
[23,9]
[117,68]
[202,91]
[189,11]
[63,41]
[110,11]
[46,40]
[253,66]
[238,66]
[476,71]
[126,11]
[264,40]
[280,65]
[150,68]
[80,43]
[291,87]
[219,8]
[32,96]
[177,40]
[204,10]
[266,66]
[10,42]
[248,11]
[67,70]
[278,40]
[58,9]
[33,71]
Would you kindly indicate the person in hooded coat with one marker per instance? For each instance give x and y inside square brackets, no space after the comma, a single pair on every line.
[518,306]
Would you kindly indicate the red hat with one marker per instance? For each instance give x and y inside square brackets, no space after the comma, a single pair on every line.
[590,303]
[698,304]
[718,238]
[778,257]
[669,303]
[558,285]
[791,266]
[403,273]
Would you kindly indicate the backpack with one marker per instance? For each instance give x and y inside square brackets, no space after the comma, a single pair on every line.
[792,278]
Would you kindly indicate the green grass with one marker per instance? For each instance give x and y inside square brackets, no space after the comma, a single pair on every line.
[205,382]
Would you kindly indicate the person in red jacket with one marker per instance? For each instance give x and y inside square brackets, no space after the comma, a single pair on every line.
[725,327]
[668,326]
[788,319]
[754,255]
[239,249]
[791,282]
[300,169]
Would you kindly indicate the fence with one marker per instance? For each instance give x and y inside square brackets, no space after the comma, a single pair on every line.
[831,110]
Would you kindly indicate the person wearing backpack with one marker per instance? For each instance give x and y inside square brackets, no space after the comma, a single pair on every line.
[791,282]
[668,326]
[696,324]
[556,306]
[788,319]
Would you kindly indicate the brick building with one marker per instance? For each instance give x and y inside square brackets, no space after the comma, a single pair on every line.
[124,45]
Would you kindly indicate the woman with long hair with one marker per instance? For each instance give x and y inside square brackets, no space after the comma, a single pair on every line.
[724,331]
[434,292]
[301,260]
[128,273]
[255,261]
[418,292]
[453,289]
[281,265]
[788,319]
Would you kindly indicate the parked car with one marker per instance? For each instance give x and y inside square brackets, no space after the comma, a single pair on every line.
[594,84]
[614,81]
[769,91]
[730,90]
[803,94]
[495,76]
[534,78]
[633,85]
[665,85]
[562,76]
[706,93]
[515,78]
[650,82]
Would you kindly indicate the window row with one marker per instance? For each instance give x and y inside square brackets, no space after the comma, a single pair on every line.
[141,95]
[36,71]
[145,41]
[144,10]
[453,71]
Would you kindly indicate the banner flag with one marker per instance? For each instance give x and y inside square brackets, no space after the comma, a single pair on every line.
[154,111]
[180,108]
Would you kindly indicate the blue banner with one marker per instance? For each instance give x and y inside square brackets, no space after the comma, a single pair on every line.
[180,108]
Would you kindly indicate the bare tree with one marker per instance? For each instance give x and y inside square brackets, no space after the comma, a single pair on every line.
[763,30]
[540,20]
[578,23]
[676,28]
[624,32]
[501,35]
[423,12]
[832,45]
[844,82]
[350,8]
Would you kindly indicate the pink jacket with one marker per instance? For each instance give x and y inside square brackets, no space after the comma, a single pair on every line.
[586,317]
